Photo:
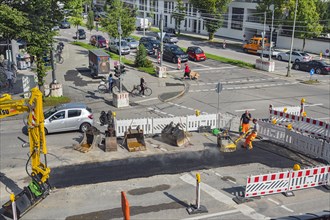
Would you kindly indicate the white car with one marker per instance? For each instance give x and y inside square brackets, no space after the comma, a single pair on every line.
[296,56]
[68,117]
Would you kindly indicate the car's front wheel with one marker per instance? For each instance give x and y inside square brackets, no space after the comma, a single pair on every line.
[296,66]
[173,60]
[84,127]
[318,71]
[279,58]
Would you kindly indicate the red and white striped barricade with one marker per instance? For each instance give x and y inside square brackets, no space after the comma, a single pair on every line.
[266,184]
[310,177]
[179,63]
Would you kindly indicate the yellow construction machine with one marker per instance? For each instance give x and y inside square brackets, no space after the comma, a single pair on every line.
[39,186]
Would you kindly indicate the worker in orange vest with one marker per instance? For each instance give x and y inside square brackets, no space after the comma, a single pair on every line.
[252,135]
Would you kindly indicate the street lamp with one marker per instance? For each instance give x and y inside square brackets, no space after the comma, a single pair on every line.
[292,38]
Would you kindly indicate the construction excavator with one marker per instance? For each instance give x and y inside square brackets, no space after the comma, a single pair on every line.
[39,186]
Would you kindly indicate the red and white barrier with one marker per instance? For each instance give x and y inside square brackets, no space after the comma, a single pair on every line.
[310,177]
[179,63]
[266,184]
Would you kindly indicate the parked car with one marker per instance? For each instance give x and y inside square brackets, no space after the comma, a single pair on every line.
[296,56]
[169,30]
[98,41]
[56,28]
[274,52]
[114,47]
[155,43]
[170,38]
[149,48]
[319,66]
[68,117]
[196,54]
[81,34]
[172,52]
[65,24]
[132,43]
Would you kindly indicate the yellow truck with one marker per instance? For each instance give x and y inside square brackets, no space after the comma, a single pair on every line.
[254,45]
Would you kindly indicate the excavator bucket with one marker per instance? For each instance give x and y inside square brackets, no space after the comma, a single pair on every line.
[92,138]
[135,140]
[110,140]
[174,135]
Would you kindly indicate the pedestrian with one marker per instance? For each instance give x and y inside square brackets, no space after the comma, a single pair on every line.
[255,126]
[10,79]
[142,85]
[186,71]
[110,81]
[245,122]
[224,44]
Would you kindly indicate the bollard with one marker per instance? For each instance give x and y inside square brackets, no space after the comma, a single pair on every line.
[125,206]
[179,63]
[158,57]
[13,204]
[302,106]
[197,208]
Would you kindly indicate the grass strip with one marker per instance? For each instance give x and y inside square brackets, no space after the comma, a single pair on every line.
[52,101]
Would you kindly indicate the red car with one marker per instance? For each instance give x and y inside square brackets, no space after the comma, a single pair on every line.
[196,54]
[98,41]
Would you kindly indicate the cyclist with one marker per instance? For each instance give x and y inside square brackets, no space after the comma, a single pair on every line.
[110,81]
[142,85]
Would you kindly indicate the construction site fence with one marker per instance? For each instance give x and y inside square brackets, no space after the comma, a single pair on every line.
[294,110]
[314,147]
[188,123]
[286,181]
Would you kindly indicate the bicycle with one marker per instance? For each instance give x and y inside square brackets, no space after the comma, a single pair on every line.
[104,87]
[58,57]
[136,91]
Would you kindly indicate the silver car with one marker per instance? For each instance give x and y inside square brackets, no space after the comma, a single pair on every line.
[68,117]
[295,57]
[132,43]
[170,38]
[114,47]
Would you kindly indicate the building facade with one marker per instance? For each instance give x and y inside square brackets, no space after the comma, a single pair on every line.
[240,22]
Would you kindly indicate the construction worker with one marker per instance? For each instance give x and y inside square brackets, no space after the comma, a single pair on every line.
[251,136]
[245,122]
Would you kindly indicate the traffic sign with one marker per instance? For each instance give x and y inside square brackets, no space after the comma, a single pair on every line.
[162,35]
[219,88]
[312,71]
[327,52]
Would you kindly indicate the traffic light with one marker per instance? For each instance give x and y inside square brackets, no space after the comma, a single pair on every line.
[122,69]
[117,71]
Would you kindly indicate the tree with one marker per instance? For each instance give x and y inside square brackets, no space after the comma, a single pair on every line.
[110,23]
[307,20]
[323,8]
[76,14]
[141,59]
[90,21]
[211,12]
[178,14]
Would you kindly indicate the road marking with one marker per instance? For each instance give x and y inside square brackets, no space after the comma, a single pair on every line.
[243,110]
[146,100]
[160,112]
[213,215]
[286,208]
[221,197]
[318,104]
[273,201]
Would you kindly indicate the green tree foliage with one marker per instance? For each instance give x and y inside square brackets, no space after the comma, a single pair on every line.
[307,20]
[141,59]
[114,12]
[323,8]
[90,21]
[178,14]
[76,7]
[212,13]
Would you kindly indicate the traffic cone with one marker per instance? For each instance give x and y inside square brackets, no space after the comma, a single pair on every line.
[179,63]
[158,58]
[125,206]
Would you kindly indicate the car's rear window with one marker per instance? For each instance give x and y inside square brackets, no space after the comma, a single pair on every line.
[74,113]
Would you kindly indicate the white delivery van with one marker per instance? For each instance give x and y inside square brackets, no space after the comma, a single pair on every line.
[141,23]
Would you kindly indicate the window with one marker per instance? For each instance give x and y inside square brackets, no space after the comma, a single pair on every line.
[58,115]
[237,18]
[74,113]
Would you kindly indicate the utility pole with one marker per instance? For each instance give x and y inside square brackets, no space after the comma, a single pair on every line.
[271,36]
[52,56]
[161,38]
[263,37]
[144,23]
[120,33]
[292,38]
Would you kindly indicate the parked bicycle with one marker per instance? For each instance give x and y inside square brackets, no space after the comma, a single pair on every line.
[136,91]
[104,87]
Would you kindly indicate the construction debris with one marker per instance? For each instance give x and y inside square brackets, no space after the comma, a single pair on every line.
[175,135]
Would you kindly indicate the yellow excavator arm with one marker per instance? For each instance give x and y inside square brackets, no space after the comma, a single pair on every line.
[39,186]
